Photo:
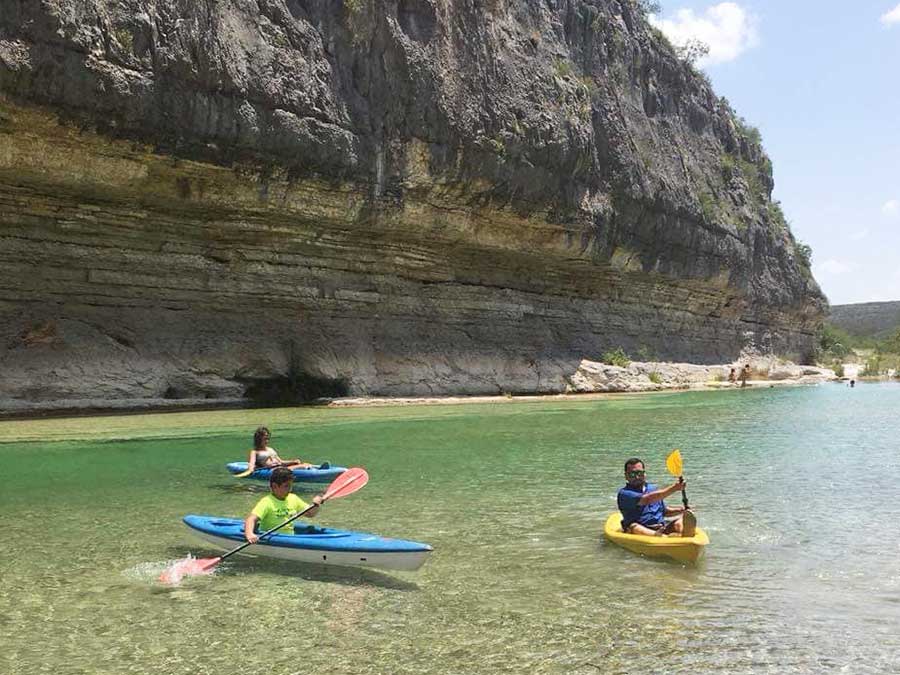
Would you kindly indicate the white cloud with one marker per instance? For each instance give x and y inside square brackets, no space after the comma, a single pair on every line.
[831,268]
[860,234]
[891,17]
[891,207]
[726,28]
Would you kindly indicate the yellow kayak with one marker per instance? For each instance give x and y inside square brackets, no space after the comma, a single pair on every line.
[683,549]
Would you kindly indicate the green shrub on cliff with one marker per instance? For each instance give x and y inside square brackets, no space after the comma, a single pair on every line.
[708,207]
[750,171]
[562,67]
[728,164]
[616,357]
[748,131]
[803,253]
[692,51]
[776,216]
[655,377]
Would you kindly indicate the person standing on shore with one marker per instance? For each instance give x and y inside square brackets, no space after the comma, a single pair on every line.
[642,506]
[732,376]
[745,374]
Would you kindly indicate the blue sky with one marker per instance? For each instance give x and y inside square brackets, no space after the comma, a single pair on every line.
[821,81]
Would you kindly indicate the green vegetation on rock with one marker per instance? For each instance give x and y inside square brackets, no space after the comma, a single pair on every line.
[616,357]
[837,346]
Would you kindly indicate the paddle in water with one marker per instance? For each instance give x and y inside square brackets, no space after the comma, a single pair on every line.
[346,484]
[676,468]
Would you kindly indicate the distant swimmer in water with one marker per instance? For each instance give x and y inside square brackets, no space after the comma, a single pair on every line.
[852,383]
[264,457]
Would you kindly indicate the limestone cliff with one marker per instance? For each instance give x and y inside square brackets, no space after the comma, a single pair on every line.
[221,198]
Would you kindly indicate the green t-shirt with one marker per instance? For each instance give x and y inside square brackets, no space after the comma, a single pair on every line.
[272,511]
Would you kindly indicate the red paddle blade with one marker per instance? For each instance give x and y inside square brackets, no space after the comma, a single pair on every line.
[347,483]
[190,566]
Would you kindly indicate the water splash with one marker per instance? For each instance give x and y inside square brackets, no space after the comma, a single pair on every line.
[189,566]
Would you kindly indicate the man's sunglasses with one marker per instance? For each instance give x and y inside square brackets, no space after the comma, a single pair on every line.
[636,473]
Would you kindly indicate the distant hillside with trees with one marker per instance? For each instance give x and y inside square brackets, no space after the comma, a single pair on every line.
[867,319]
[867,333]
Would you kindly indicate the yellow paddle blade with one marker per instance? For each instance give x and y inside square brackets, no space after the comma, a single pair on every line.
[673,463]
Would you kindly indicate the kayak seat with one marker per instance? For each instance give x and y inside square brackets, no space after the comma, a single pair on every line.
[307,529]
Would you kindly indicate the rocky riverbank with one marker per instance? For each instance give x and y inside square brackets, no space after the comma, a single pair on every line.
[656,376]
[591,379]
[594,378]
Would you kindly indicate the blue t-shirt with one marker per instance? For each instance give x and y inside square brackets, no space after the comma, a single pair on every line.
[633,512]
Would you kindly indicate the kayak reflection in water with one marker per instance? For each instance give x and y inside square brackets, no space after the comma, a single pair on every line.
[264,457]
[642,506]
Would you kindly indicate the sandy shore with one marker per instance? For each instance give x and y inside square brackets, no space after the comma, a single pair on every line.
[520,398]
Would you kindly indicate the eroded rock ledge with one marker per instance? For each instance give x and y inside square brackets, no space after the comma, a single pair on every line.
[212,200]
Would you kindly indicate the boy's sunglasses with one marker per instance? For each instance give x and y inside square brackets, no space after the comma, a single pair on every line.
[636,473]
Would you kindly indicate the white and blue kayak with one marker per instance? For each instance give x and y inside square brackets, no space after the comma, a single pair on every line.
[324,473]
[313,544]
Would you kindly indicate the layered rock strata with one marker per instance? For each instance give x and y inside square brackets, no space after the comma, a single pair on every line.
[206,200]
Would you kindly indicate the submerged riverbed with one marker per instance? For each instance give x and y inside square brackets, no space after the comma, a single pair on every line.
[788,483]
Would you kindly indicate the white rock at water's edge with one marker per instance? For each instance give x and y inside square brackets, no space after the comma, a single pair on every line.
[592,376]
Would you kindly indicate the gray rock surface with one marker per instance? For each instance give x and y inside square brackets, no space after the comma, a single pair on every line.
[204,200]
[592,377]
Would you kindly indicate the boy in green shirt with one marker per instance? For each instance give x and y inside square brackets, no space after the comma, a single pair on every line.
[278,506]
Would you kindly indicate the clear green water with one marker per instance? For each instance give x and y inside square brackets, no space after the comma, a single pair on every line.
[798,488]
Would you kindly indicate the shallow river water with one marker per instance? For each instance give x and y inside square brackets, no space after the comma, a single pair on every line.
[799,489]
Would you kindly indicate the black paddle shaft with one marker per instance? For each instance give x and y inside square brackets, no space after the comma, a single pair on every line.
[683,493]
[268,532]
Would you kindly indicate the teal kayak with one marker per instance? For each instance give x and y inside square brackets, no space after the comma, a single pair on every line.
[324,473]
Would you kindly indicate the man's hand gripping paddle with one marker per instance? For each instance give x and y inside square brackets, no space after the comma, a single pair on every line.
[346,484]
[675,467]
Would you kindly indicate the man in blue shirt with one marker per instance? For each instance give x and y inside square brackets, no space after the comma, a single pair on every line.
[642,506]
